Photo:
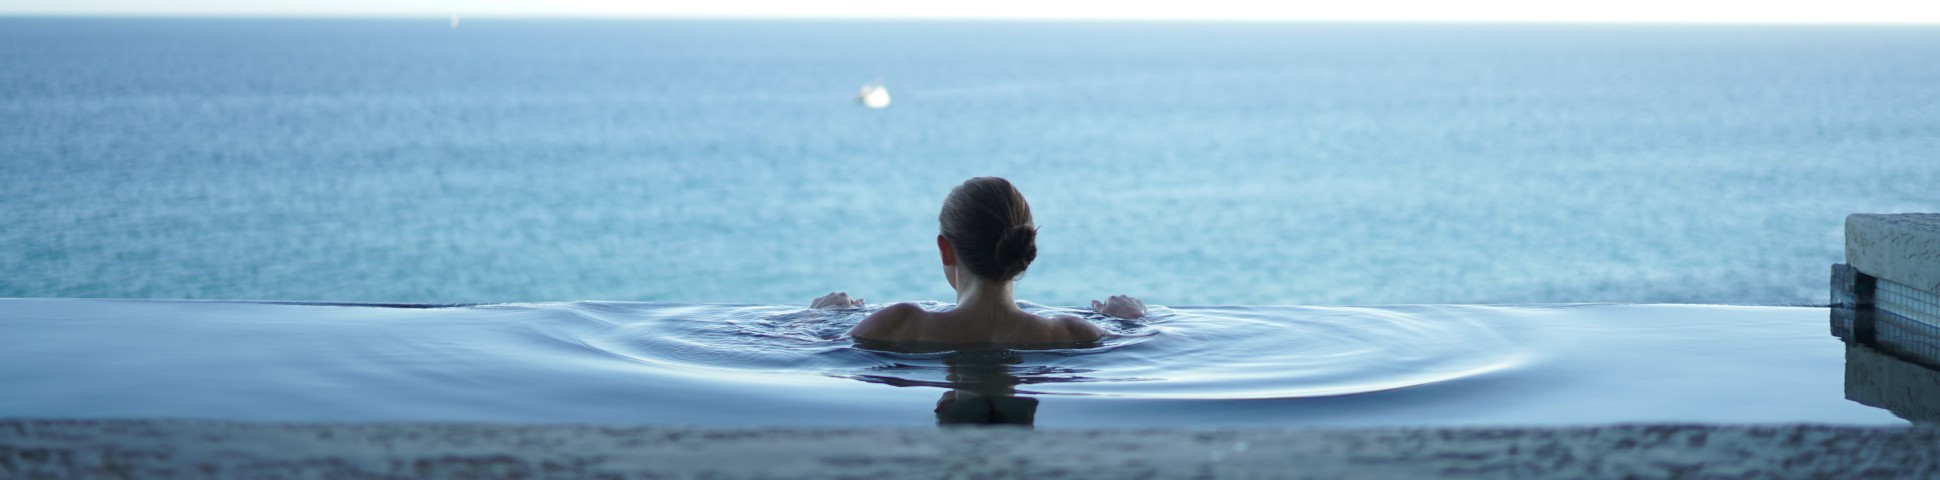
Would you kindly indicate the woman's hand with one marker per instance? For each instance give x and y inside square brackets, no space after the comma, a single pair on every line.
[1121,306]
[836,300]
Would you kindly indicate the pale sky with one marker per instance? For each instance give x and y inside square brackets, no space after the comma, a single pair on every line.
[1726,11]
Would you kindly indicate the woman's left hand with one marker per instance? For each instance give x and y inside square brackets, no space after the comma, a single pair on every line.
[835,300]
[1121,306]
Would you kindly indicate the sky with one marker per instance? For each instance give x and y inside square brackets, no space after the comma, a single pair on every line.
[1683,11]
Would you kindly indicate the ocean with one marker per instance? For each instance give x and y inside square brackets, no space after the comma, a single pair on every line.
[718,161]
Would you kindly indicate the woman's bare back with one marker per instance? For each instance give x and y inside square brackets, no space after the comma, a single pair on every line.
[907,322]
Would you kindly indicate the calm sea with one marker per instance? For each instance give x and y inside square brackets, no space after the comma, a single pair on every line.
[727,161]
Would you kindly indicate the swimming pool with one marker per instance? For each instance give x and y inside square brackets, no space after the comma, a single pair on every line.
[693,364]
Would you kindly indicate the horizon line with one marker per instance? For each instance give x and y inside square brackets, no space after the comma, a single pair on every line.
[939,18]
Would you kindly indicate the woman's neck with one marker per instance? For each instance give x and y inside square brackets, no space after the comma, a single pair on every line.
[984,296]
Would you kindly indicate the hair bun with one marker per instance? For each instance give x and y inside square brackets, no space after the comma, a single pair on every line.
[1016,248]
[989,225]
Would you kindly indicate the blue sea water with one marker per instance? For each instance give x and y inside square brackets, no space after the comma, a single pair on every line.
[726,161]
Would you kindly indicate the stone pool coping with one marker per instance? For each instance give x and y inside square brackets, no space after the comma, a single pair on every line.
[1901,247]
[151,448]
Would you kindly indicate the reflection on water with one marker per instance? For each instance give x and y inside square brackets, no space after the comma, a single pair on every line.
[983,392]
[1877,379]
[1892,346]
[980,382]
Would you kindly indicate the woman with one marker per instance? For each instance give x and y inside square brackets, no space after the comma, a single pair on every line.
[987,240]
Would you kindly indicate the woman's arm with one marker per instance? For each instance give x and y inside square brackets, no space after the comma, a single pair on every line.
[885,324]
[1077,329]
[1121,306]
[835,300]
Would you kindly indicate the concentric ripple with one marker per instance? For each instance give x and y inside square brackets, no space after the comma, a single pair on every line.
[1177,353]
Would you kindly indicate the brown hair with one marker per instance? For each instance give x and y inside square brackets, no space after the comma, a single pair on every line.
[989,223]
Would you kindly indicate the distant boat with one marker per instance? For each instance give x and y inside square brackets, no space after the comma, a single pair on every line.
[454,21]
[873,96]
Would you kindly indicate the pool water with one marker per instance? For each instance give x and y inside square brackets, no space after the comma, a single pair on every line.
[689,364]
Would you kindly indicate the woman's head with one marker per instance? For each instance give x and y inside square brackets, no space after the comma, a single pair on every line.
[989,228]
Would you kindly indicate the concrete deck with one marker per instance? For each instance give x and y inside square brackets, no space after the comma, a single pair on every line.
[32,449]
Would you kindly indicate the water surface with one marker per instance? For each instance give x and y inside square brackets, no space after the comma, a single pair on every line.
[693,364]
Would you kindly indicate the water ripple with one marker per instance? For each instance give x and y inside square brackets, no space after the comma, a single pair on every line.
[1177,353]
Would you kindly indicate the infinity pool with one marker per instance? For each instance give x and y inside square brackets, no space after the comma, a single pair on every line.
[684,364]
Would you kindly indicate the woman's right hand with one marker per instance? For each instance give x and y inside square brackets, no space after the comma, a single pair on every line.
[1121,306]
[835,300]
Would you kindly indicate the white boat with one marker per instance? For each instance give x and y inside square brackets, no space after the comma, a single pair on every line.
[873,96]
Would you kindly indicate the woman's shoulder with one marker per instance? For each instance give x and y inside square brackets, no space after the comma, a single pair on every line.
[888,322]
[1075,328]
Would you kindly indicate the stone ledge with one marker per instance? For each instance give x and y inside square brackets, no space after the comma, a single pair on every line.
[214,449]
[1903,248]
